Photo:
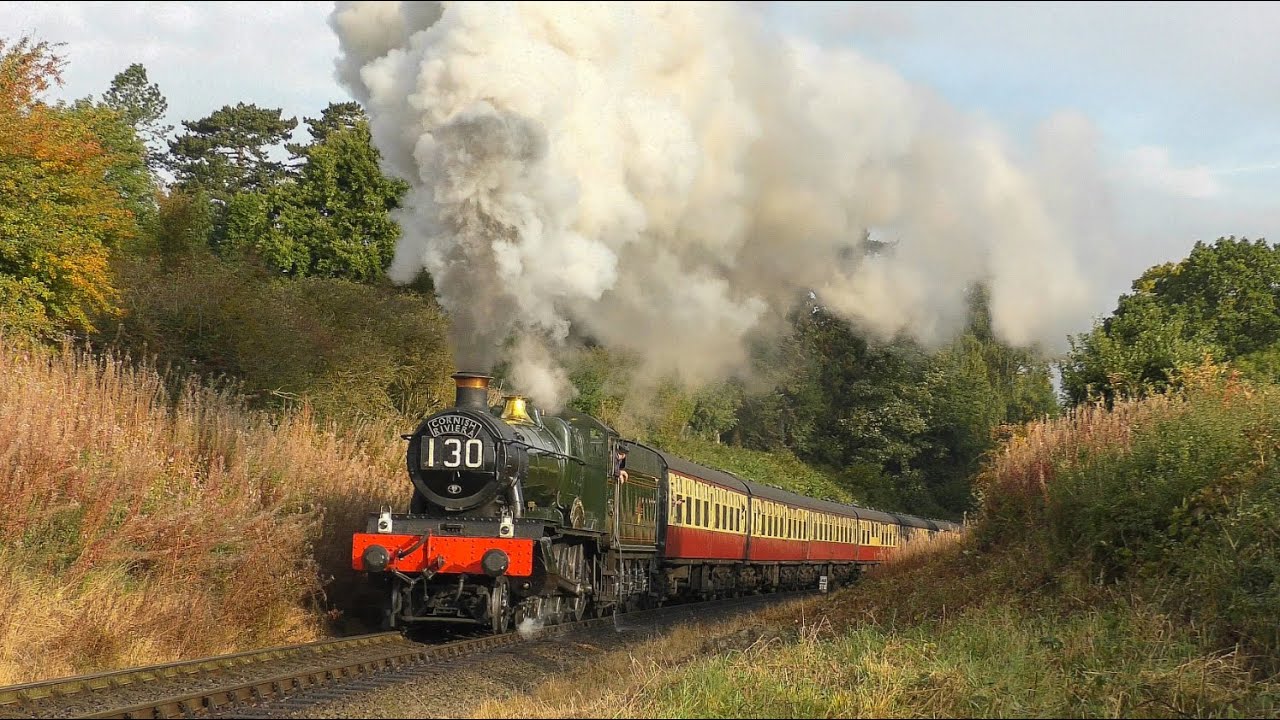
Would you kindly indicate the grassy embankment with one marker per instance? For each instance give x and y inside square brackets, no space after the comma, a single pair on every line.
[142,523]
[780,469]
[1125,564]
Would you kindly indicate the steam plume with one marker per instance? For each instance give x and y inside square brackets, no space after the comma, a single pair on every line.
[668,178]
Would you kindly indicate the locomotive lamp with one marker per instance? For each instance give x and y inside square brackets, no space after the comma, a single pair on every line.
[384,520]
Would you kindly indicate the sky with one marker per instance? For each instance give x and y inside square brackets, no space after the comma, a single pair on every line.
[1183,98]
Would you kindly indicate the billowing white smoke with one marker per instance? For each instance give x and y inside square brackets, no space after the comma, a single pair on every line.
[668,178]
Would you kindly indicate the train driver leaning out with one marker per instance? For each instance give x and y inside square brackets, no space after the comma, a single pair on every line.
[620,464]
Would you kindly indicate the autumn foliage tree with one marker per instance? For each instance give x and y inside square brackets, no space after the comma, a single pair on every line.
[59,214]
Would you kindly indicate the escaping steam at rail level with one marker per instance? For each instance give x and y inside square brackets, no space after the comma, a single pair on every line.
[668,179]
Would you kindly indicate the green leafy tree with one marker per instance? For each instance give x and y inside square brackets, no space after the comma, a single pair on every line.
[1230,289]
[229,151]
[902,427]
[872,401]
[143,107]
[127,173]
[715,410]
[59,216]
[184,223]
[1020,377]
[352,349]
[1222,301]
[333,221]
[1134,353]
[335,117]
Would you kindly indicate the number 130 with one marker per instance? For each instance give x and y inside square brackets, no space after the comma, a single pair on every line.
[456,453]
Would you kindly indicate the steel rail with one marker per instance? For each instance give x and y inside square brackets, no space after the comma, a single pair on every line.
[65,687]
[383,651]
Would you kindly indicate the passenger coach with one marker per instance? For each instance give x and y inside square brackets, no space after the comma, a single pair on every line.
[717,532]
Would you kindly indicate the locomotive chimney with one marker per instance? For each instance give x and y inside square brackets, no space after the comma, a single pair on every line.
[472,390]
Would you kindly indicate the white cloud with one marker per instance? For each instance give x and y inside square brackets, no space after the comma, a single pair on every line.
[203,55]
[1151,167]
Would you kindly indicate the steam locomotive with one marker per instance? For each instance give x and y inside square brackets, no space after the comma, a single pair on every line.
[517,516]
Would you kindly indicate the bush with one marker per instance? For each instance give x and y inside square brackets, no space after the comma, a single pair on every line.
[1177,494]
[350,349]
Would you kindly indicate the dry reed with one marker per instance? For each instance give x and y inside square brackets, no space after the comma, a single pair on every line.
[141,522]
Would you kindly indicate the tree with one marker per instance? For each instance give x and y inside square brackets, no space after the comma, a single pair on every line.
[184,223]
[352,349]
[143,106]
[335,117]
[58,213]
[899,425]
[715,410]
[1222,301]
[1230,289]
[128,173]
[334,220]
[228,152]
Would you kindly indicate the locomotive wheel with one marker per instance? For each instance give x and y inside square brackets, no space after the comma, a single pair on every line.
[578,605]
[500,607]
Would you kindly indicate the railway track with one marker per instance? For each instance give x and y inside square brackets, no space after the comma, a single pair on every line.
[225,683]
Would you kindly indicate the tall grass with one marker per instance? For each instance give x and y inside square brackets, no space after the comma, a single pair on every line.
[1177,495]
[999,660]
[142,522]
